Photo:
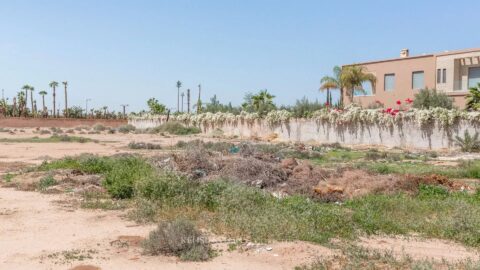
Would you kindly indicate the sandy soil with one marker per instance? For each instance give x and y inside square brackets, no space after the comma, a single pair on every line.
[420,248]
[108,144]
[36,226]
[42,231]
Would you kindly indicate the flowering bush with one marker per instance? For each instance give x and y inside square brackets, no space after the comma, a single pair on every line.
[352,114]
[278,117]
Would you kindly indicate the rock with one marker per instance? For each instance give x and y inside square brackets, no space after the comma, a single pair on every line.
[268,248]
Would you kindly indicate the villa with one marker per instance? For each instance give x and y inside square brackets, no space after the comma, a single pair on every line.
[451,72]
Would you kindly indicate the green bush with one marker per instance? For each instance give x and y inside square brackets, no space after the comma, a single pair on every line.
[46,182]
[426,99]
[143,145]
[126,128]
[468,143]
[429,191]
[99,127]
[120,179]
[120,172]
[180,238]
[175,128]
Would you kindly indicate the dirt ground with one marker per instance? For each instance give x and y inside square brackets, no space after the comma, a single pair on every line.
[41,231]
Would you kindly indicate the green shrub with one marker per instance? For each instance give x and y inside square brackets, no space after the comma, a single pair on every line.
[473,98]
[99,127]
[426,99]
[120,172]
[429,191]
[120,179]
[143,145]
[46,182]
[126,128]
[180,238]
[468,143]
[175,128]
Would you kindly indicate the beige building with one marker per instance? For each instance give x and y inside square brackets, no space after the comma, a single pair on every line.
[401,78]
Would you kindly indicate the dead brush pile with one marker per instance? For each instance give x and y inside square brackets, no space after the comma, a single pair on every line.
[258,166]
[253,172]
[357,183]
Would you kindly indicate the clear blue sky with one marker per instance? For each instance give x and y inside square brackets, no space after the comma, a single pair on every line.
[118,52]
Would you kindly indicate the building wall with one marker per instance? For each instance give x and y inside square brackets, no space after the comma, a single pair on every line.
[457,75]
[403,69]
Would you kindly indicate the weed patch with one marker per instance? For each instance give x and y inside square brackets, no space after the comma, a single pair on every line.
[46,182]
[143,145]
[175,128]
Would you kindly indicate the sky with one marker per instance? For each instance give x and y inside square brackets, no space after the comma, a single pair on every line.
[123,52]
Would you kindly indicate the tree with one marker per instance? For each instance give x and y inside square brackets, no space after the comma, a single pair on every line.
[430,98]
[188,100]
[352,78]
[31,100]
[199,101]
[183,94]
[155,106]
[54,85]
[65,84]
[261,103]
[473,98]
[105,108]
[335,82]
[43,93]
[22,104]
[179,84]
[26,88]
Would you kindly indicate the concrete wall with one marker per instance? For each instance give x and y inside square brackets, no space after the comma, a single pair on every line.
[409,135]
[21,122]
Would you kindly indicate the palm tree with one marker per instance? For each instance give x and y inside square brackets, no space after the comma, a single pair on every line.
[53,85]
[22,108]
[473,98]
[183,94]
[31,100]
[65,84]
[188,100]
[26,87]
[105,111]
[43,93]
[179,84]
[329,82]
[262,101]
[352,78]
[335,82]
[199,101]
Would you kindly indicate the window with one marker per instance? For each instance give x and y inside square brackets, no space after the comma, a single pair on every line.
[367,90]
[389,83]
[439,75]
[444,75]
[418,81]
[473,76]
